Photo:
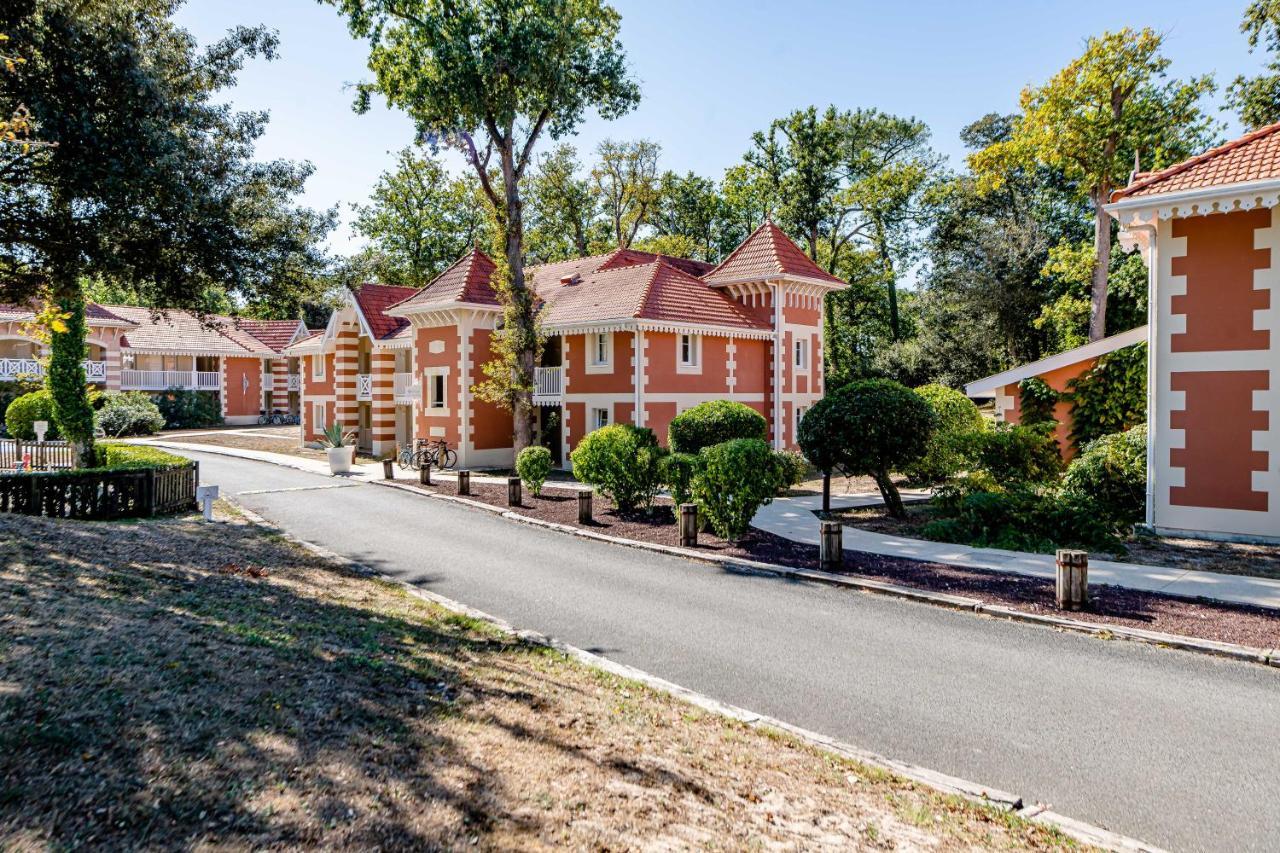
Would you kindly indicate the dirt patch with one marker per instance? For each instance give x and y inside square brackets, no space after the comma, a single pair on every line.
[269,444]
[1228,623]
[178,684]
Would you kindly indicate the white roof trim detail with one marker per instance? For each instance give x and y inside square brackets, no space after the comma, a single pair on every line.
[988,386]
[1226,198]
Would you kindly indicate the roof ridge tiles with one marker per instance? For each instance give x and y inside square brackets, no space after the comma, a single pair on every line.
[1146,180]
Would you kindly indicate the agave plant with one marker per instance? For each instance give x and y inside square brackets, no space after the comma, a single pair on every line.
[334,436]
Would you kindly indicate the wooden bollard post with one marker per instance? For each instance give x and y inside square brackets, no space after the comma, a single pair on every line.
[424,474]
[1073,579]
[688,525]
[584,506]
[831,549]
[513,491]
[464,482]
[388,469]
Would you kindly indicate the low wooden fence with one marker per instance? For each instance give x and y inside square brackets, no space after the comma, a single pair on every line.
[101,494]
[43,455]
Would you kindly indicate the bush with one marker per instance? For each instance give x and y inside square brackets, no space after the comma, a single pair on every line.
[128,413]
[678,471]
[183,409]
[736,479]
[1110,476]
[533,464]
[10,391]
[124,457]
[1022,520]
[714,422]
[1110,397]
[870,427]
[955,418]
[1016,456]
[621,461]
[24,411]
[1037,402]
[789,469]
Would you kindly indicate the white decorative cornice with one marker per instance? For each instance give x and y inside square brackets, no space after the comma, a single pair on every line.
[1228,198]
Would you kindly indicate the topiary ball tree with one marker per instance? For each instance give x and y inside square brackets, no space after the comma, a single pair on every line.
[714,422]
[955,419]
[23,412]
[871,427]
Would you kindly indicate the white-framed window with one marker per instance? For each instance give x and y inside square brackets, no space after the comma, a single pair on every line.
[689,353]
[317,366]
[599,418]
[800,410]
[802,354]
[600,352]
[317,417]
[437,385]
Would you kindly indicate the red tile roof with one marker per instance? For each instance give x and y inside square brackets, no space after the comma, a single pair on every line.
[374,299]
[631,257]
[93,312]
[467,280]
[276,334]
[182,331]
[648,291]
[766,254]
[1253,157]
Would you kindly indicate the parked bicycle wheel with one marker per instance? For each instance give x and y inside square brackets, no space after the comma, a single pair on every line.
[425,456]
[264,419]
[406,458]
[446,459]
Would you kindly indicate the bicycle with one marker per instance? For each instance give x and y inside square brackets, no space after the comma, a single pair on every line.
[408,457]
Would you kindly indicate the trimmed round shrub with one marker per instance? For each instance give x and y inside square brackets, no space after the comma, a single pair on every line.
[621,461]
[533,464]
[129,413]
[955,418]
[678,471]
[1016,456]
[789,469]
[871,427]
[24,411]
[1110,475]
[736,479]
[714,422]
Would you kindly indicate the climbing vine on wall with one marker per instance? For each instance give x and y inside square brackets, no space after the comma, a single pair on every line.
[1112,396]
[1037,400]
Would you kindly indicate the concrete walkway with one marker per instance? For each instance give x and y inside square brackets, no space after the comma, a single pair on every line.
[793,518]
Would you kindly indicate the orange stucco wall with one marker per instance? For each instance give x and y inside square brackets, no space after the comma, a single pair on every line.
[243,386]
[664,377]
[491,424]
[1059,380]
[432,424]
[1218,456]
[752,368]
[1220,296]
[618,379]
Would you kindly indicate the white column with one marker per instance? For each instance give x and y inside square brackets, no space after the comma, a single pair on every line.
[638,376]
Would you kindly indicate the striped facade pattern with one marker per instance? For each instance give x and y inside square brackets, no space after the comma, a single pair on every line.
[279,384]
[346,361]
[383,420]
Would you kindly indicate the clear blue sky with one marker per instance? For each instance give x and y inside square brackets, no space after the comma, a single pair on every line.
[713,71]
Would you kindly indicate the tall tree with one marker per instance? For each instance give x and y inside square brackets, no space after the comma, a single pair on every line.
[562,207]
[419,219]
[490,77]
[627,186]
[140,177]
[1093,118]
[1256,100]
[689,207]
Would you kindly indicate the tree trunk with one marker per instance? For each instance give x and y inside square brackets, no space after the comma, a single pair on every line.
[522,378]
[891,282]
[1101,266]
[888,491]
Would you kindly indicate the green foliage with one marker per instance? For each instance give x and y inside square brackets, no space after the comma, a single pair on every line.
[128,413]
[789,469]
[1112,396]
[622,462]
[678,471]
[1257,99]
[26,410]
[955,419]
[1016,456]
[121,457]
[10,391]
[737,478]
[65,377]
[533,464]
[1036,402]
[871,427]
[335,435]
[714,422]
[1022,520]
[1110,477]
[184,409]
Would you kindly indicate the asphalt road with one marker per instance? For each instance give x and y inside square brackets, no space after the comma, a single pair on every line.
[1180,750]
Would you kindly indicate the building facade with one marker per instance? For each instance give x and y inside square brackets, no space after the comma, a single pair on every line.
[240,361]
[631,337]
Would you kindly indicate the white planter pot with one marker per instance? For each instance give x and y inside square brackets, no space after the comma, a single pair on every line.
[340,459]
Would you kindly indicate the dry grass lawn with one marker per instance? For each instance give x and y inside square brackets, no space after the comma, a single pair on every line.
[174,684]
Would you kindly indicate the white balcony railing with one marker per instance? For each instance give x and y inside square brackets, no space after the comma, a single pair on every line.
[364,386]
[295,382]
[161,380]
[15,368]
[548,386]
[407,391]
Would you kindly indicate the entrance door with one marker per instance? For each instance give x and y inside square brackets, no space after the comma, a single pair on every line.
[550,434]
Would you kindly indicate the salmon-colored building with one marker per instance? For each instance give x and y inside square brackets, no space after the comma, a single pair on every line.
[631,337]
[239,361]
[1056,371]
[1209,229]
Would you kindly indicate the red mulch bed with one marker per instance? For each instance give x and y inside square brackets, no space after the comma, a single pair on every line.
[1249,626]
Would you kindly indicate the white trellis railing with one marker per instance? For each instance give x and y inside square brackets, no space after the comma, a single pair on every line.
[364,386]
[548,386]
[18,368]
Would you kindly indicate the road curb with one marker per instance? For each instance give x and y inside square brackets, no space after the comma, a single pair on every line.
[1233,651]
[941,782]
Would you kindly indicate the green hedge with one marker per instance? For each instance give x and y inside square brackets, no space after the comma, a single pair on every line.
[736,478]
[714,422]
[622,462]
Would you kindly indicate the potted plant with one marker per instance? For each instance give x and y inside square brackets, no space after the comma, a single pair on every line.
[341,454]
